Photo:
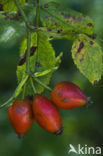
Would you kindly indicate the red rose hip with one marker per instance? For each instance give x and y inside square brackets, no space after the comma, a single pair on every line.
[47,114]
[21,116]
[67,95]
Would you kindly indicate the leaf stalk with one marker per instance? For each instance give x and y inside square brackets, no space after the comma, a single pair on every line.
[42,84]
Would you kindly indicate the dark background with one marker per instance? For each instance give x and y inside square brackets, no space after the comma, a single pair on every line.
[82,125]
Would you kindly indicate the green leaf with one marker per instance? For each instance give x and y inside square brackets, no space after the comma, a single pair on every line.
[9,5]
[42,58]
[10,32]
[12,25]
[66,21]
[87,55]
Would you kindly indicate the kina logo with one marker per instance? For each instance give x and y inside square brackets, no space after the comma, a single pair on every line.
[84,150]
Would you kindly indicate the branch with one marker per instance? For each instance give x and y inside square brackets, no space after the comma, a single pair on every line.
[22,12]
[37,13]
[28,51]
[16,93]
[42,84]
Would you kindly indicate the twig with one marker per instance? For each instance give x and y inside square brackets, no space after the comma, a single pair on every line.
[42,84]
[28,51]
[37,13]
[32,85]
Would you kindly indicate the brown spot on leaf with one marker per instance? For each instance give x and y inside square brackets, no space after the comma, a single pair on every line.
[79,18]
[50,36]
[80,47]
[46,5]
[38,64]
[72,19]
[32,49]
[23,58]
[93,36]
[49,29]
[1,7]
[91,42]
[15,18]
[95,82]
[65,15]
[82,58]
[59,31]
[8,17]
[90,24]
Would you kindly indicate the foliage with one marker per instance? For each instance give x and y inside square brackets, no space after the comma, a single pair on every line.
[66,21]
[57,23]
[91,124]
[87,55]
[42,58]
[9,5]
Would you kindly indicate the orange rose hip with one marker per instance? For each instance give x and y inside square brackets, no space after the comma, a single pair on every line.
[21,116]
[67,95]
[47,114]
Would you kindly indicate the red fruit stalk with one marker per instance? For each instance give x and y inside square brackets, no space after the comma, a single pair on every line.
[47,114]
[21,116]
[67,95]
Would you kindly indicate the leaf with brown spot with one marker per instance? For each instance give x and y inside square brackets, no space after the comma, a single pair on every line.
[53,15]
[87,56]
[41,59]
[23,58]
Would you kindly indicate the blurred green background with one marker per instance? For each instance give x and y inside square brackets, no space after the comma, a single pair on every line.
[81,126]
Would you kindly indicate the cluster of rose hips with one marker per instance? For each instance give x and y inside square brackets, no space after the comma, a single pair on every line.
[65,95]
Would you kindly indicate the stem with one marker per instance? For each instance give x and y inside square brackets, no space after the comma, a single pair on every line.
[28,51]
[101,39]
[6,103]
[32,84]
[37,24]
[22,12]
[16,93]
[23,94]
[19,88]
[37,13]
[45,72]
[42,84]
